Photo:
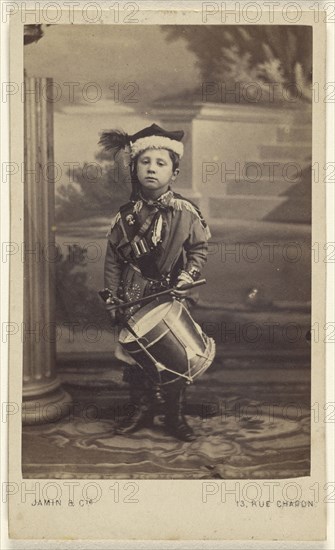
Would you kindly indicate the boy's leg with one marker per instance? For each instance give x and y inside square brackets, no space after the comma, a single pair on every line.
[140,413]
[175,421]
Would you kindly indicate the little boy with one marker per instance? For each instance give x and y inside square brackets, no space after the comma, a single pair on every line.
[158,240]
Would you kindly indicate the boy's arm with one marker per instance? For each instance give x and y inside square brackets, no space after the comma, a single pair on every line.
[196,249]
[113,263]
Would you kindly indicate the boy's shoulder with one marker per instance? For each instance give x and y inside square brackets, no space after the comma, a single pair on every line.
[179,202]
[184,203]
[176,201]
[123,210]
[126,207]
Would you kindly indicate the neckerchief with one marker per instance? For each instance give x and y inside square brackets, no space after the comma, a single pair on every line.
[152,229]
[162,203]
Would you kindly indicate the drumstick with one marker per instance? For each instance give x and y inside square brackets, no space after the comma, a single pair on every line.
[187,286]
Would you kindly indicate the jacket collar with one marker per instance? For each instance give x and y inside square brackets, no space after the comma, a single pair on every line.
[163,200]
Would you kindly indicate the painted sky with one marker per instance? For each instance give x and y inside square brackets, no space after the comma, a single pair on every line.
[111,55]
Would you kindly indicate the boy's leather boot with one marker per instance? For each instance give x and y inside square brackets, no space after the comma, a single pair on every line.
[139,412]
[140,409]
[175,422]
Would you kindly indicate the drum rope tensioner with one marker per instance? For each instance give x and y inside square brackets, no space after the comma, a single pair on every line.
[167,335]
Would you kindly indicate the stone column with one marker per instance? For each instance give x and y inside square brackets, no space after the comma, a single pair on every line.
[44,400]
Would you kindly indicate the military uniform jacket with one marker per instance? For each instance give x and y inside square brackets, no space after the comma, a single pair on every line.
[152,241]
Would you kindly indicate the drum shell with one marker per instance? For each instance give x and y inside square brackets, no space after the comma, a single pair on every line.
[175,341]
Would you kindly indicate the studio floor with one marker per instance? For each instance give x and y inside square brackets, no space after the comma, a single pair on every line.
[251,417]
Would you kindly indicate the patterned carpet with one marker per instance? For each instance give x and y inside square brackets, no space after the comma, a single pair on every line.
[253,430]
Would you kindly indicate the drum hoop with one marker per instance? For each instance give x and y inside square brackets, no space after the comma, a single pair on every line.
[180,312]
[182,344]
[148,345]
[206,365]
[177,308]
[138,315]
[178,315]
[145,310]
[210,358]
[193,321]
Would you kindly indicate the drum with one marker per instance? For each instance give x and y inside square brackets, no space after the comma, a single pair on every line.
[164,335]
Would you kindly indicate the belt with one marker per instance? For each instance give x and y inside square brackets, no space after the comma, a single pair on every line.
[137,269]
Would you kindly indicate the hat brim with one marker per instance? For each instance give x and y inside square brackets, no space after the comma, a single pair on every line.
[156,142]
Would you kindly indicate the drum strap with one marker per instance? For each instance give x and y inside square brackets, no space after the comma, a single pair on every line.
[136,250]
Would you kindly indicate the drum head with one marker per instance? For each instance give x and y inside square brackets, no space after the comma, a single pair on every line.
[142,324]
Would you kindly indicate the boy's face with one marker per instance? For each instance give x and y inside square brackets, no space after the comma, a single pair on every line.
[155,170]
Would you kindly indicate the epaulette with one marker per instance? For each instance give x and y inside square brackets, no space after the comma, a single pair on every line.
[178,202]
[117,218]
[128,207]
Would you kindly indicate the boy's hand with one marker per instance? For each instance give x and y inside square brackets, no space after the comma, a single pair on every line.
[113,313]
[183,279]
[105,294]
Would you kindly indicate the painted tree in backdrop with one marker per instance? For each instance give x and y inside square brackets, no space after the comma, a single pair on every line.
[276,58]
[94,189]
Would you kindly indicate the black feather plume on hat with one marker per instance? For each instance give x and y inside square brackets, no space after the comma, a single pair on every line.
[114,139]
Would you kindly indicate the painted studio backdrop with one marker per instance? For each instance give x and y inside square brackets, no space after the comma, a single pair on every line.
[243,97]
